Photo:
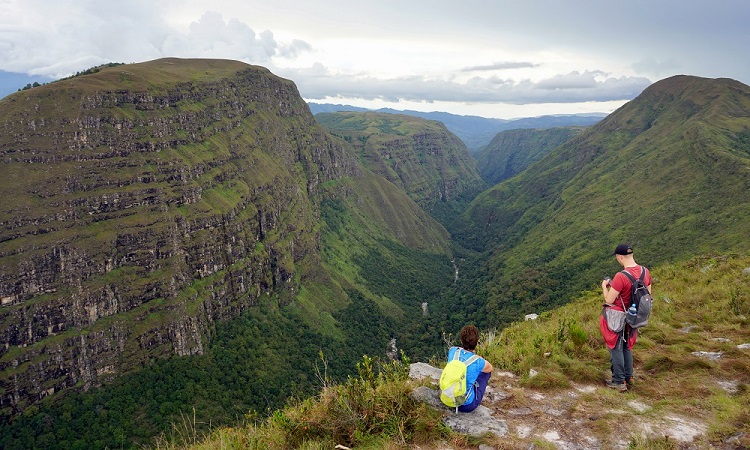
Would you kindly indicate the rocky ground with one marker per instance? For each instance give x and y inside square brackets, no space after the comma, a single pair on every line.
[577,418]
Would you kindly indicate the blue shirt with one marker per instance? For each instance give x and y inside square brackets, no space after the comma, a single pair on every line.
[472,372]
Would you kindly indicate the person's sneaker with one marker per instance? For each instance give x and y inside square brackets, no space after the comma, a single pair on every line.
[622,387]
[629,382]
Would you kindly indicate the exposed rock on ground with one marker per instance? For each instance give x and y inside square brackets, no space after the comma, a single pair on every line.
[567,419]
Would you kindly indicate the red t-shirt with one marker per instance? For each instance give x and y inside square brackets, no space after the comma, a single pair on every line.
[622,284]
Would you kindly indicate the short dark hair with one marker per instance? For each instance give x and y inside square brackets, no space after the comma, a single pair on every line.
[469,337]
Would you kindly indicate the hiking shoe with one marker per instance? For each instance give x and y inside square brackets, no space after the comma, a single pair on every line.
[622,387]
[629,382]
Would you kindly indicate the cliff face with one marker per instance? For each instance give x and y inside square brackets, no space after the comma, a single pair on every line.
[421,156]
[143,203]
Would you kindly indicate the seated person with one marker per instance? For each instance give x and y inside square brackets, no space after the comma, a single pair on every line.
[477,373]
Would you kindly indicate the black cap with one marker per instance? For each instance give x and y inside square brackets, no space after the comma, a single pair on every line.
[623,249]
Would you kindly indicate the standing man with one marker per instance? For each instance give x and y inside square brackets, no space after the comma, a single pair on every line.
[617,293]
[477,373]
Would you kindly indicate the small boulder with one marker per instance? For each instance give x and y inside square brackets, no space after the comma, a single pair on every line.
[419,371]
[476,423]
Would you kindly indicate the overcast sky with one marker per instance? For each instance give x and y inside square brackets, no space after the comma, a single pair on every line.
[492,58]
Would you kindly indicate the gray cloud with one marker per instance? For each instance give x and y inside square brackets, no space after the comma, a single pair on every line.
[500,66]
[317,83]
[652,66]
[632,43]
[572,80]
[294,48]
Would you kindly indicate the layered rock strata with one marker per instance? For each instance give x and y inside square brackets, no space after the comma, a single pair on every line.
[143,203]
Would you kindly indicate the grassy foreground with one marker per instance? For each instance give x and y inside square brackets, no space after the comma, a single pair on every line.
[702,305]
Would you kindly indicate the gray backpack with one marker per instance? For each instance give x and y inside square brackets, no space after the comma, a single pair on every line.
[642,300]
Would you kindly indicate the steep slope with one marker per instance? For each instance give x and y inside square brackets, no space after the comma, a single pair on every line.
[144,204]
[668,172]
[431,164]
[510,152]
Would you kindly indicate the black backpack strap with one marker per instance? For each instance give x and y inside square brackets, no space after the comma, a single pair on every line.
[632,282]
[630,277]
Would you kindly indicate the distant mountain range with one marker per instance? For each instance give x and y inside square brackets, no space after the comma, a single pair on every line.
[476,132]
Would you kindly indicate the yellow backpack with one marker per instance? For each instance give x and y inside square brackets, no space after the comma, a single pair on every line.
[453,380]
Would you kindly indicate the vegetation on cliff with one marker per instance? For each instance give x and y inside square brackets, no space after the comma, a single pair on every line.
[142,204]
[420,156]
[147,206]
[512,151]
[194,218]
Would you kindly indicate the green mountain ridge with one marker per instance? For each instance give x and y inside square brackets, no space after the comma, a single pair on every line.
[476,132]
[667,172]
[510,152]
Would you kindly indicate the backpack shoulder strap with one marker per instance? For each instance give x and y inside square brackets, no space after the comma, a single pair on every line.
[471,360]
[632,282]
[630,277]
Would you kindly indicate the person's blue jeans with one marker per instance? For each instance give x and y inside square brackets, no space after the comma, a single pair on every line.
[479,387]
[622,362]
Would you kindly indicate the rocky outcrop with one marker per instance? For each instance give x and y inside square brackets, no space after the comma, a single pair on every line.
[476,423]
[514,415]
[140,205]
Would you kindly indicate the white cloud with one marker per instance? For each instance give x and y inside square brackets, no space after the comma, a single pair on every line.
[212,37]
[318,83]
[532,52]
[500,66]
